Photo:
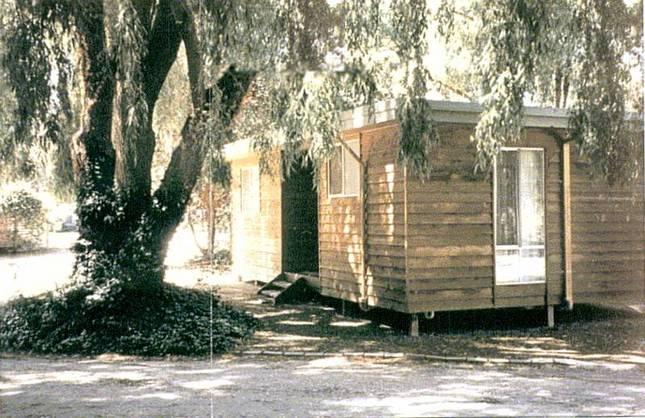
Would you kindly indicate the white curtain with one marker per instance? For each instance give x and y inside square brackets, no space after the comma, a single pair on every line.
[520,256]
[531,182]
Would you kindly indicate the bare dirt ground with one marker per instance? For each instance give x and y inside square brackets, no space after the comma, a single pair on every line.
[333,386]
[32,273]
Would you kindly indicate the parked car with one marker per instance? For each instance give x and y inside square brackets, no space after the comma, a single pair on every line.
[69,224]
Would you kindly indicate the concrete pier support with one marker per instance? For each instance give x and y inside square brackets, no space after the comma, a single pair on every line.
[414,325]
[550,316]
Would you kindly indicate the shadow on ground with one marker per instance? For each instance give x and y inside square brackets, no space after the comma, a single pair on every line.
[330,386]
[324,325]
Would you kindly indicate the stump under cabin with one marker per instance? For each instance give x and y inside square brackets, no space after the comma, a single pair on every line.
[538,232]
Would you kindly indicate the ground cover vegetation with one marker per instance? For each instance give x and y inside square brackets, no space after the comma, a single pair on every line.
[269,70]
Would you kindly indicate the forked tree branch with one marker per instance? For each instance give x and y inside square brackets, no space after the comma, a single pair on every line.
[188,157]
[93,156]
[163,37]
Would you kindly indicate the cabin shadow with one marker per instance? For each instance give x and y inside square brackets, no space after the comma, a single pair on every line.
[516,320]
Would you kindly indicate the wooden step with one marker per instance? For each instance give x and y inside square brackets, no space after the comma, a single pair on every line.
[288,287]
[291,277]
[273,294]
[282,284]
[312,279]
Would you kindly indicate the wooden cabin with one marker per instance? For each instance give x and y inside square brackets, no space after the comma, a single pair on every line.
[540,232]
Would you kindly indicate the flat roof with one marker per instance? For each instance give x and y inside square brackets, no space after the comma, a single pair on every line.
[443,111]
[450,112]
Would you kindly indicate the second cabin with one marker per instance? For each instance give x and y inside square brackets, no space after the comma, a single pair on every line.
[538,232]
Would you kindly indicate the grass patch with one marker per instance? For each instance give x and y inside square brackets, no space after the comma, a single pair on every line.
[169,321]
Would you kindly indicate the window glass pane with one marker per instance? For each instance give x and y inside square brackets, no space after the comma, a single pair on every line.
[352,169]
[506,217]
[531,182]
[507,266]
[336,172]
[532,265]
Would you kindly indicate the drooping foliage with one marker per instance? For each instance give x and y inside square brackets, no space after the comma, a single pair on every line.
[573,54]
[600,76]
[410,23]
[313,60]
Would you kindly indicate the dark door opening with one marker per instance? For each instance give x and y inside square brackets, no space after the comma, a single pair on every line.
[300,221]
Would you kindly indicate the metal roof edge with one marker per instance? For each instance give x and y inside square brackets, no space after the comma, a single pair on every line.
[444,111]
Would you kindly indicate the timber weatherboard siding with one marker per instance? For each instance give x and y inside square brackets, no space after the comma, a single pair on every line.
[608,237]
[257,237]
[430,243]
[343,273]
[451,262]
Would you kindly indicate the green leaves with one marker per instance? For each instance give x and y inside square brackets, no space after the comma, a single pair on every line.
[510,41]
[555,53]
[171,321]
[418,136]
[418,133]
[37,59]
[130,49]
[315,60]
[600,77]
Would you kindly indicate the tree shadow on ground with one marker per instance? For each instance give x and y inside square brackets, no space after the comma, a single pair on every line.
[324,386]
[9,255]
[327,325]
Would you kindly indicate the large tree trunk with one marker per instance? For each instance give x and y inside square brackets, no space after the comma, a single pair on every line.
[125,227]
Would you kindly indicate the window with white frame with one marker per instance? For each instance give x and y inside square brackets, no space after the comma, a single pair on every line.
[519,216]
[343,171]
[250,190]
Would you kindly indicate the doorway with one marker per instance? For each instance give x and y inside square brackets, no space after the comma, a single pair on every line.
[300,221]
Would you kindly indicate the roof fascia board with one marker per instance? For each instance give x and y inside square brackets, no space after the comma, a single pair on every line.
[451,112]
[463,113]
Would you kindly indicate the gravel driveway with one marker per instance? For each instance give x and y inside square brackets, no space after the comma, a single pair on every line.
[333,386]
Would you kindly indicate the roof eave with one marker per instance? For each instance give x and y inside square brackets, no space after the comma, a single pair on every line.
[451,112]
[442,112]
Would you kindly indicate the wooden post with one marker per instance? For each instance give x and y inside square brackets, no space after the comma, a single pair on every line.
[414,325]
[364,219]
[566,202]
[550,316]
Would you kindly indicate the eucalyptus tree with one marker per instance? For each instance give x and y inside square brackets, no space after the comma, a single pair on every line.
[573,54]
[295,64]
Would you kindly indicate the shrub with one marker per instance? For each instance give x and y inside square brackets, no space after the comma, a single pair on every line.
[23,218]
[171,320]
[221,260]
